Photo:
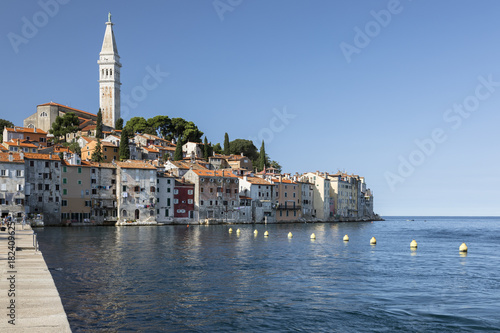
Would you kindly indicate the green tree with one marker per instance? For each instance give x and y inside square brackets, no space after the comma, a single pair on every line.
[160,124]
[64,125]
[98,126]
[183,130]
[227,144]
[275,165]
[262,157]
[4,123]
[217,148]
[139,125]
[73,146]
[191,133]
[97,155]
[246,147]
[119,124]
[206,149]
[178,151]
[124,149]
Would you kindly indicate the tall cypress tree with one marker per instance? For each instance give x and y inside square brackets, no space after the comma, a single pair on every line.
[205,149]
[262,157]
[119,124]
[98,127]
[124,149]
[227,151]
[97,155]
[178,151]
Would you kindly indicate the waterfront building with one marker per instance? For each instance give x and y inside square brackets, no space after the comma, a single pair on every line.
[287,198]
[321,194]
[136,191]
[103,192]
[12,185]
[216,195]
[260,194]
[165,198]
[183,200]
[43,186]
[76,201]
[34,135]
[109,77]
[307,197]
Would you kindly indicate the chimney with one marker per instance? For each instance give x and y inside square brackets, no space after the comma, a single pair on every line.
[34,129]
[11,157]
[280,178]
[21,155]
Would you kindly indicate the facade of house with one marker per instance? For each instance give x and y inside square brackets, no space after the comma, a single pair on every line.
[109,150]
[216,195]
[136,191]
[260,194]
[103,189]
[321,193]
[12,185]
[76,201]
[43,186]
[18,145]
[288,199]
[192,149]
[183,200]
[34,135]
[307,197]
[165,198]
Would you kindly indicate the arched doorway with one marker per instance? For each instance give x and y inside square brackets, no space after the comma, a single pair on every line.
[136,214]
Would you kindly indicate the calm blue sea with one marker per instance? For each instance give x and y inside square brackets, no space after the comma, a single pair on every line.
[203,279]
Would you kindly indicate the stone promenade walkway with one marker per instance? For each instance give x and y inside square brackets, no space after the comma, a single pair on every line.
[28,296]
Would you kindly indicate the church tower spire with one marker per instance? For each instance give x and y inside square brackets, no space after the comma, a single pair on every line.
[109,77]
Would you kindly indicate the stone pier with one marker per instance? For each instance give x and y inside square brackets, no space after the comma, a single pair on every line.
[29,300]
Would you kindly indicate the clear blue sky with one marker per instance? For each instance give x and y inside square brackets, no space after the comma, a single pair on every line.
[235,70]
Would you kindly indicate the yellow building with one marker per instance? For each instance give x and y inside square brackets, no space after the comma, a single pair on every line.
[76,202]
[109,150]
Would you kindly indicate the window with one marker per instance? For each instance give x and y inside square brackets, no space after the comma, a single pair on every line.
[86,192]
[65,191]
[87,203]
[46,187]
[64,203]
[136,189]
[40,199]
[93,181]
[190,201]
[40,187]
[286,194]
[32,163]
[294,194]
[190,192]
[94,191]
[235,191]
[19,201]
[211,202]
[228,190]
[65,169]
[65,180]
[46,164]
[176,201]
[176,191]
[79,170]
[201,202]
[124,188]
[57,199]
[166,212]
[201,189]
[19,173]
[168,189]
[79,182]
[56,165]
[152,189]
[211,190]
[168,201]
[168,181]
[19,187]
[4,172]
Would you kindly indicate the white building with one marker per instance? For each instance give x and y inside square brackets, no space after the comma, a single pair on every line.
[12,185]
[260,191]
[165,198]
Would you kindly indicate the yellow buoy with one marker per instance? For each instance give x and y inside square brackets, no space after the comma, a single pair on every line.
[413,244]
[463,248]
[290,235]
[238,231]
[255,232]
[266,233]
[373,241]
[346,238]
[313,236]
[230,230]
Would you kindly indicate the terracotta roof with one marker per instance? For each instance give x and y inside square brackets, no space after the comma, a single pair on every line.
[34,156]
[283,180]
[151,150]
[99,165]
[108,144]
[16,158]
[19,143]
[257,180]
[25,130]
[89,128]
[87,139]
[213,173]
[134,164]
[67,107]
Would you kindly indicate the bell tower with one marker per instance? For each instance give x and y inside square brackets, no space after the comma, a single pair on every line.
[109,77]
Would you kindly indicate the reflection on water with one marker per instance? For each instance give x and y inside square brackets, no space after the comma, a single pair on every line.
[202,278]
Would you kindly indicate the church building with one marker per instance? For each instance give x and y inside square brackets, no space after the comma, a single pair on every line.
[109,91]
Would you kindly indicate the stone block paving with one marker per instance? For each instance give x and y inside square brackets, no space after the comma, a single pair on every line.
[28,295]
